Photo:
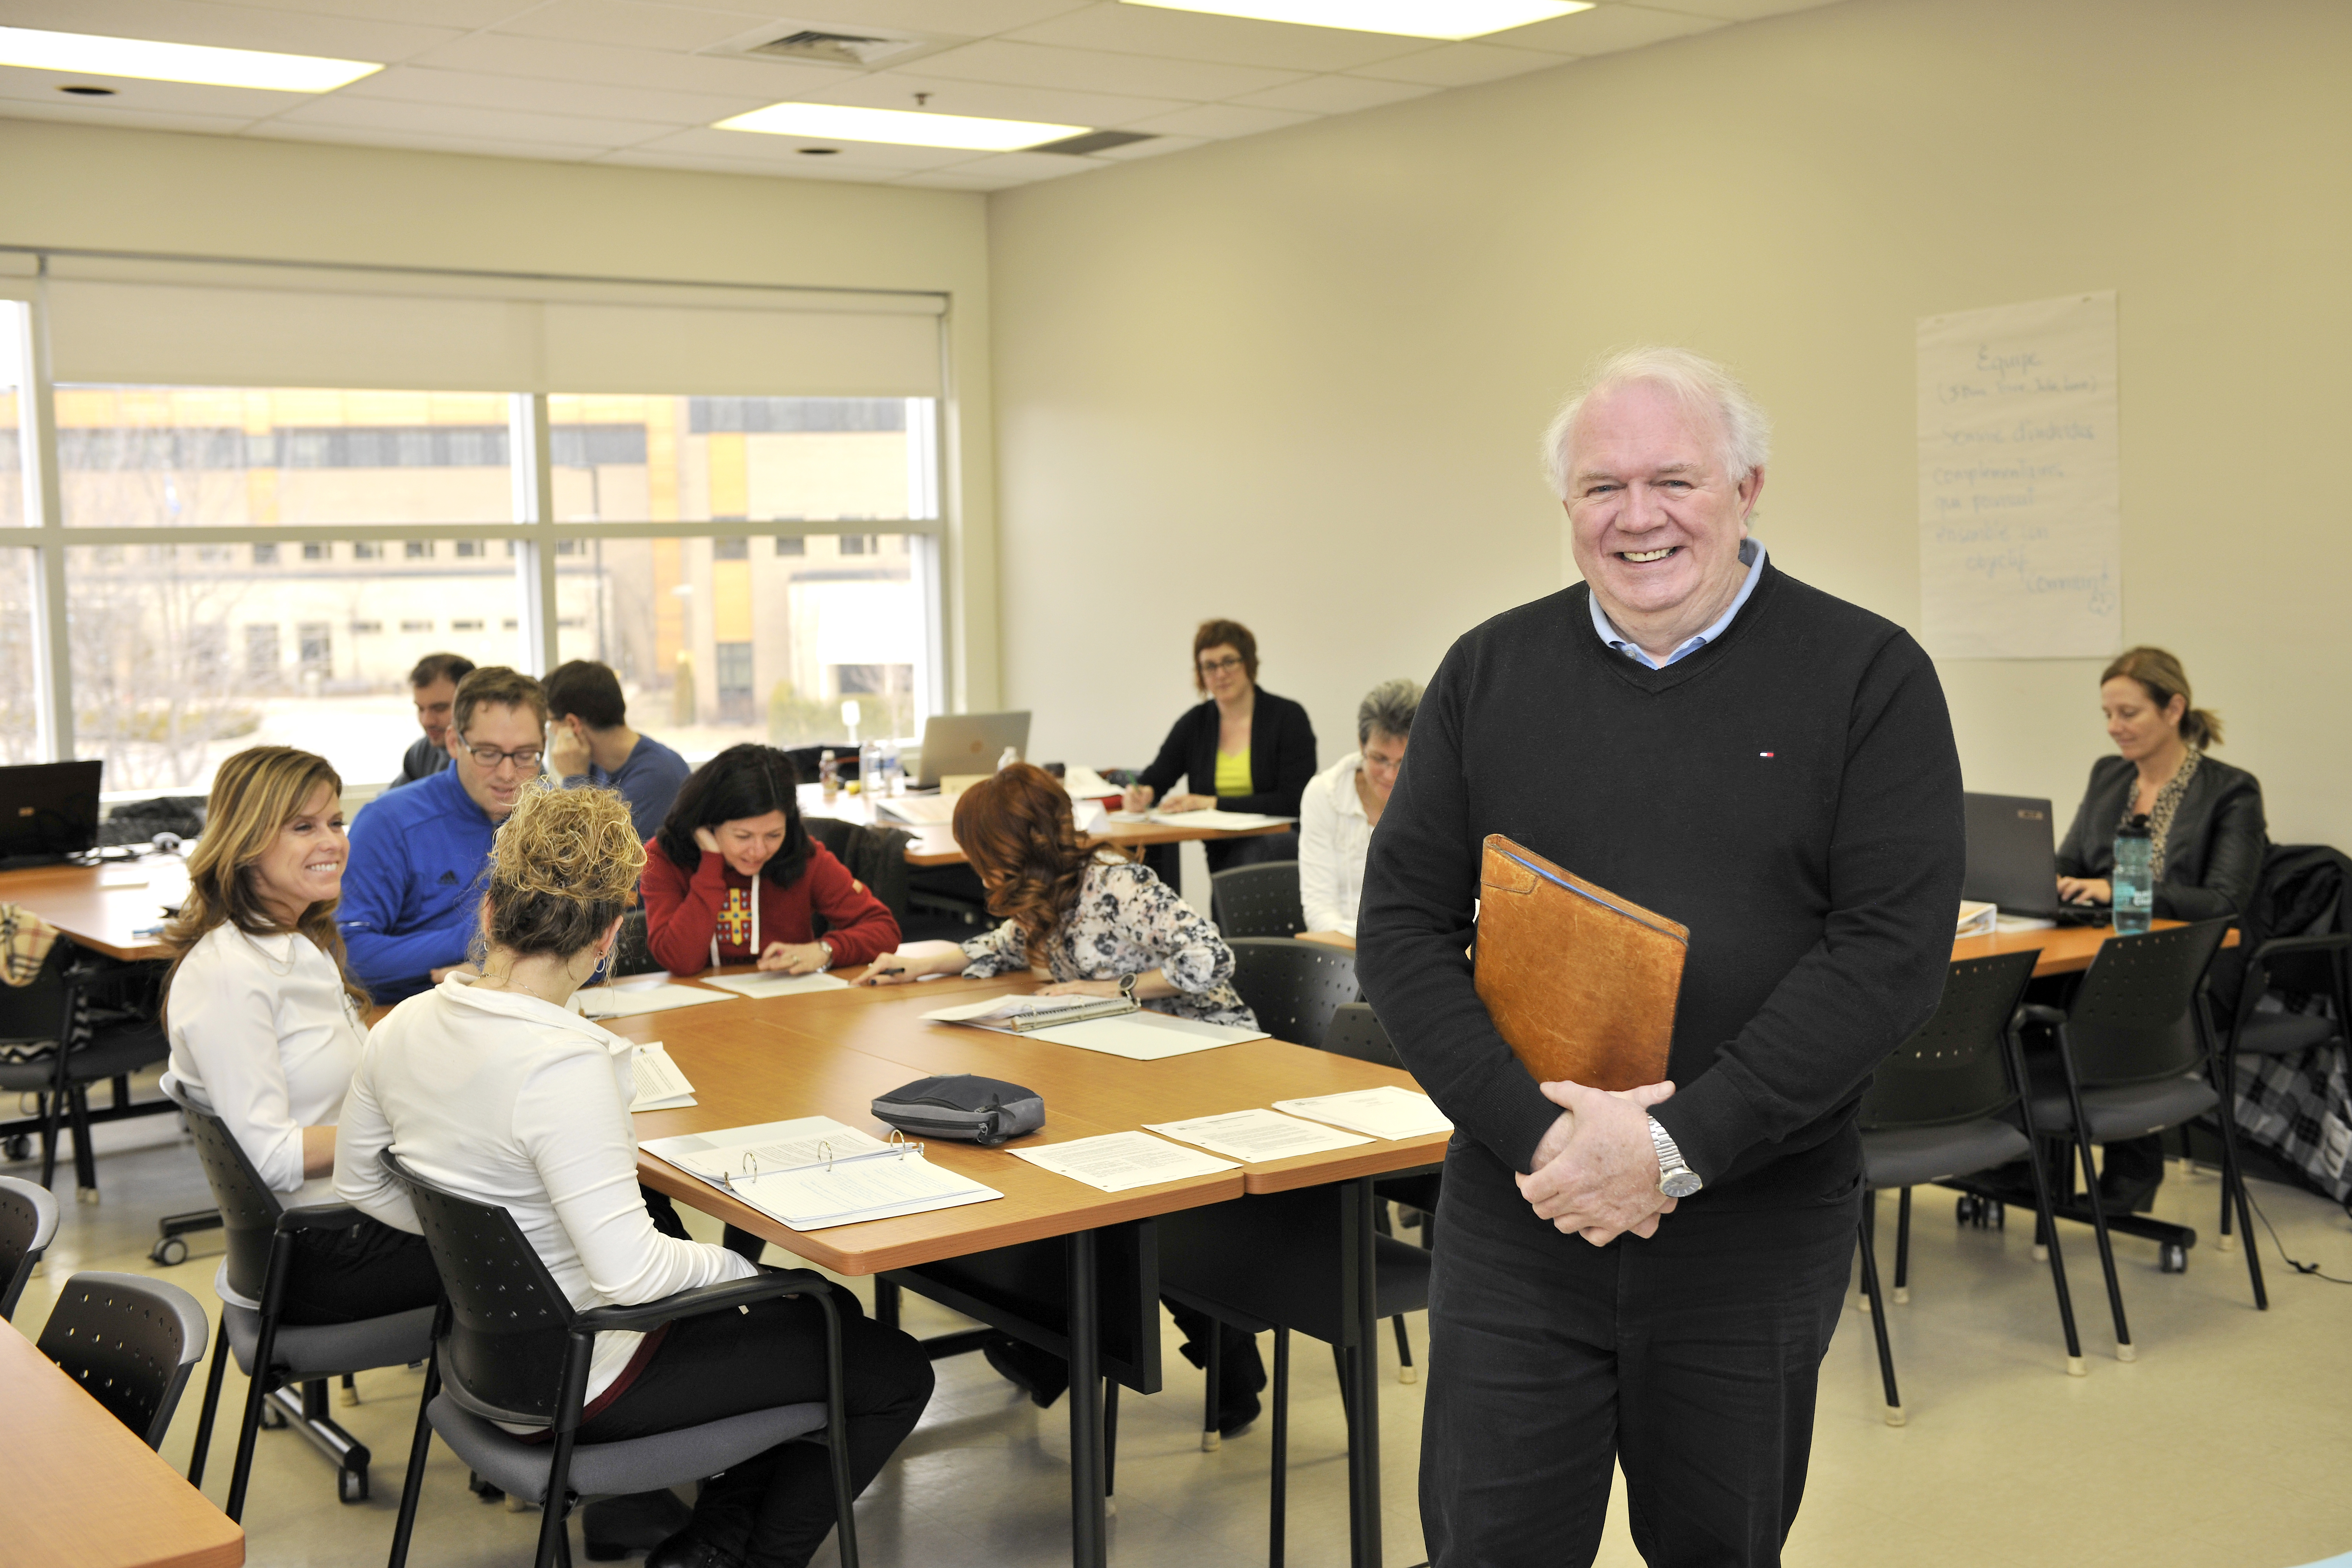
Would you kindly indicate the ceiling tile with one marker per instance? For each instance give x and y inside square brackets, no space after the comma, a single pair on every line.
[1023,167]
[136,118]
[1747,10]
[443,119]
[1158,146]
[426,84]
[1090,70]
[229,27]
[751,147]
[1221,121]
[505,54]
[630,25]
[1337,94]
[1195,36]
[1603,30]
[471,146]
[968,18]
[889,90]
[1461,65]
[951,180]
[238,103]
[807,169]
[467,14]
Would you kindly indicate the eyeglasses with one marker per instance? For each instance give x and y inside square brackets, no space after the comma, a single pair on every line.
[1219,665]
[524,757]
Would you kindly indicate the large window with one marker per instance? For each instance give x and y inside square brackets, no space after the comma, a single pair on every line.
[19,725]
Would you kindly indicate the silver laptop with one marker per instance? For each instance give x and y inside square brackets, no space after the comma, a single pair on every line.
[2013,859]
[970,743]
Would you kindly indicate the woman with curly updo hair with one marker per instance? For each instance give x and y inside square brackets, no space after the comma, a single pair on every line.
[499,1090]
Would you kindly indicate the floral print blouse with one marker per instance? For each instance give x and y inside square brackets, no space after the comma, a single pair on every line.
[1127,921]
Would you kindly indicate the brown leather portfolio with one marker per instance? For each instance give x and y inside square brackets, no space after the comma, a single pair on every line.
[1580,983]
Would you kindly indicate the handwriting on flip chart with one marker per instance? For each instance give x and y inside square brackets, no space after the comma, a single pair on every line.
[2019,515]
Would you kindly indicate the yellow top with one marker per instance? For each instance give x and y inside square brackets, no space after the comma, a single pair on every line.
[1232,772]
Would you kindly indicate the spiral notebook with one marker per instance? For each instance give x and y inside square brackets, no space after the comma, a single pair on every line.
[814,1173]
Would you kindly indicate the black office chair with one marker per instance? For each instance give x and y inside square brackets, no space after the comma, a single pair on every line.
[28,1222]
[1293,986]
[274,1356]
[508,1346]
[2135,1056]
[1939,1109]
[1258,901]
[130,1342]
[874,856]
[1356,1034]
[630,953]
[56,1039]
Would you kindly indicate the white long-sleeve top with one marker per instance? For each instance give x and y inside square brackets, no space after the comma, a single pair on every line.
[264,1034]
[514,1101]
[1334,835]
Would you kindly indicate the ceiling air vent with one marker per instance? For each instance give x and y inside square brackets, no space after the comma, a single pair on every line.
[1094,141]
[834,49]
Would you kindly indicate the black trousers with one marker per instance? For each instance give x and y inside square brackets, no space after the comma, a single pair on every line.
[774,1509]
[368,1270]
[1690,1359]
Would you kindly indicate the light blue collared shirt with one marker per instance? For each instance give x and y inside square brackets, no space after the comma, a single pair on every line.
[1751,555]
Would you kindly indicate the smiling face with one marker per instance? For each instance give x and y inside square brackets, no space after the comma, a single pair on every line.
[497,785]
[1383,756]
[748,843]
[1656,518]
[2138,727]
[303,865]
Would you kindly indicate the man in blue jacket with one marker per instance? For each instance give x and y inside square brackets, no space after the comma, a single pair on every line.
[412,884]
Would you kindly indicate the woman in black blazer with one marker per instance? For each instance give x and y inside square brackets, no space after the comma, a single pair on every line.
[1242,749]
[2205,822]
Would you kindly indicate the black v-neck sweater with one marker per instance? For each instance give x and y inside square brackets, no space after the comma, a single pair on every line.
[1789,791]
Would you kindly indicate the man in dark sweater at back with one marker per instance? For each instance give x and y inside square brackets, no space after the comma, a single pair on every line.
[1651,1278]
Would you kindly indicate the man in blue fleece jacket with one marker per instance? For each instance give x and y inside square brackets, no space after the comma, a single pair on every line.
[413,882]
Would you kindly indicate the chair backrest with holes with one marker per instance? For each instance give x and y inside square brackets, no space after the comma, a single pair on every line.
[128,1341]
[1261,900]
[502,1357]
[248,1209]
[1293,986]
[29,1220]
[1354,1032]
[2133,1020]
[1957,1067]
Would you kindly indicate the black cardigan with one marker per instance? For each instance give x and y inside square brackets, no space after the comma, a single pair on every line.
[2212,856]
[1282,756]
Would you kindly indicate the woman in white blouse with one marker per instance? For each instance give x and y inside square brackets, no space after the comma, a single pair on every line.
[1343,804]
[502,1090]
[264,1018]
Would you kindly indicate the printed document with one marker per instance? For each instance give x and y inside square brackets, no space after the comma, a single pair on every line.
[1254,1135]
[1116,1161]
[760,987]
[1386,1111]
[630,1000]
[659,1085]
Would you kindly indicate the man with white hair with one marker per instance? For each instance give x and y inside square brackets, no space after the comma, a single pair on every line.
[1649,1279]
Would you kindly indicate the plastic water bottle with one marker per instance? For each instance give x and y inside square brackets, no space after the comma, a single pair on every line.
[2135,899]
[828,774]
[869,769]
[890,775]
[1012,755]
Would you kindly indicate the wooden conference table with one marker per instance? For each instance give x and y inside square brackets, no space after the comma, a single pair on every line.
[831,1053]
[934,844]
[81,1489]
[108,909]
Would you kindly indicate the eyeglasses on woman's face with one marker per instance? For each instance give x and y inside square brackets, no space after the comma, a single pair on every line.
[1219,665]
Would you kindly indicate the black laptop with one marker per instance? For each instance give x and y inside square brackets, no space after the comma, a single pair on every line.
[2013,860]
[48,811]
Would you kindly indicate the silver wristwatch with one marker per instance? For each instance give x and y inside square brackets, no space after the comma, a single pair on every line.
[1676,1179]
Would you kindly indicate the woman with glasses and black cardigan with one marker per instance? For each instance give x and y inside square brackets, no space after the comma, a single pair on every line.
[1243,749]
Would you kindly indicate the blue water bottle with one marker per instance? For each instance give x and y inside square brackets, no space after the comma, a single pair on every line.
[2134,898]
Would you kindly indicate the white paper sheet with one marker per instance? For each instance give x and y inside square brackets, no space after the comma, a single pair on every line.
[777,1146]
[761,986]
[1977,919]
[1085,784]
[880,1186]
[659,1085]
[631,1001]
[917,810]
[1254,1135]
[1224,821]
[2021,528]
[1145,1036]
[1386,1111]
[998,1009]
[1117,1162]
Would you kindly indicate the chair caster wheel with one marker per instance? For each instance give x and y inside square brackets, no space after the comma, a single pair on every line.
[351,1486]
[19,1149]
[169,1251]
[2172,1259]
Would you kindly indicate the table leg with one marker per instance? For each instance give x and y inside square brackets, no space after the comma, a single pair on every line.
[1088,1546]
[1364,1440]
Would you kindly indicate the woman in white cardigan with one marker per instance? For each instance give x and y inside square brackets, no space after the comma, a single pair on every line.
[1343,804]
[264,1019]
[502,1090]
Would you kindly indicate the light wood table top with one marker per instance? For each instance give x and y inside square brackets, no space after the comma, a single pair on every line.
[935,844]
[75,901]
[81,1489]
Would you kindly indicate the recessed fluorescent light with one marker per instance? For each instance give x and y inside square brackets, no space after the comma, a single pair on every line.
[1414,18]
[90,54]
[837,122]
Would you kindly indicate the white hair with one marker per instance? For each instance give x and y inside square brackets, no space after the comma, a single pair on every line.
[1696,381]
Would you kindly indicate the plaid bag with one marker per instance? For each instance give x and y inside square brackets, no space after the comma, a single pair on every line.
[25,943]
[2297,1107]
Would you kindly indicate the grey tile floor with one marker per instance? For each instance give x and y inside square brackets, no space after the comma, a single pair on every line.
[2225,1443]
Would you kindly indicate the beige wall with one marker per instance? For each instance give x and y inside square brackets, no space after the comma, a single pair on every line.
[1298,379]
[228,196]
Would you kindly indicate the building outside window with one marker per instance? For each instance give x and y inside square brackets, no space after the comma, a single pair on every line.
[261,653]
[314,646]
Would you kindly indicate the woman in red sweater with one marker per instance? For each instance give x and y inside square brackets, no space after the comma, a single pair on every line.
[735,827]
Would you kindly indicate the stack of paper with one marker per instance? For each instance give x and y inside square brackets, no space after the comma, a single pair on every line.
[1384,1112]
[660,1086]
[814,1173]
[920,810]
[1977,919]
[1252,1136]
[1116,1161]
[629,1000]
[761,986]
